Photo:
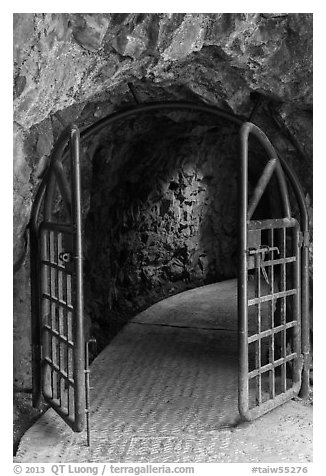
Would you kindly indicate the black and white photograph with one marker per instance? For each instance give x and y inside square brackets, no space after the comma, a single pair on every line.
[162,241]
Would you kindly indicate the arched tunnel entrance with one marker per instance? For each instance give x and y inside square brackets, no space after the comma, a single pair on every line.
[181,208]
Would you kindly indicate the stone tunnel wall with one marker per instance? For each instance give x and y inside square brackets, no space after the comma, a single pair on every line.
[162,217]
[76,68]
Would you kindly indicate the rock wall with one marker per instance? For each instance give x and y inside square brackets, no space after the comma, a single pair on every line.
[162,218]
[63,59]
[76,67]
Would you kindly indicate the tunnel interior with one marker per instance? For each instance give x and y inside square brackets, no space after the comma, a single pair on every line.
[162,212]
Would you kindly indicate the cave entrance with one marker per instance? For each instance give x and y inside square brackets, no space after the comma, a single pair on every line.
[273,325]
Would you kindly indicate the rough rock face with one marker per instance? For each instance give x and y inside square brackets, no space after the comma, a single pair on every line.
[160,215]
[76,67]
[61,59]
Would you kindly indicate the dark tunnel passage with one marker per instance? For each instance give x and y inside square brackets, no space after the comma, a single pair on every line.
[163,213]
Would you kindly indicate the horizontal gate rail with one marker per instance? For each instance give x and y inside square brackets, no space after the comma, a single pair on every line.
[60,227]
[291,259]
[271,224]
[273,331]
[270,297]
[59,336]
[276,363]
[271,404]
[57,301]
[55,266]
[63,374]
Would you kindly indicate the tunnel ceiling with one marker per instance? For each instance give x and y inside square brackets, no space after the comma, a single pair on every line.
[68,59]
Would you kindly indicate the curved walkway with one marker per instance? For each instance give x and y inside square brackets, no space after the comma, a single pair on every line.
[165,390]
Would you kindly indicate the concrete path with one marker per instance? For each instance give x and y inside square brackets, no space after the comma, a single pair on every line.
[165,390]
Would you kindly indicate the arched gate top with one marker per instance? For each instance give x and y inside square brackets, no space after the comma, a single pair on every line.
[60,151]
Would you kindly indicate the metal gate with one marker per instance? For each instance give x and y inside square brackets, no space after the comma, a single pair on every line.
[270,361]
[56,245]
[269,255]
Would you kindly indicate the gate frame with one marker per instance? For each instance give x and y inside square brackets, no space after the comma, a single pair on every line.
[245,213]
[70,138]
[60,154]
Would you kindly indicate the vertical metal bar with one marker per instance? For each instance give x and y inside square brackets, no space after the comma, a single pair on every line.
[305,324]
[36,313]
[258,330]
[52,305]
[87,399]
[79,351]
[283,306]
[57,314]
[67,367]
[69,337]
[44,283]
[243,385]
[87,390]
[296,330]
[54,315]
[271,323]
[65,331]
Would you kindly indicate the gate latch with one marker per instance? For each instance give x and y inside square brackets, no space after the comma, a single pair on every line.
[65,256]
[260,259]
[263,250]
